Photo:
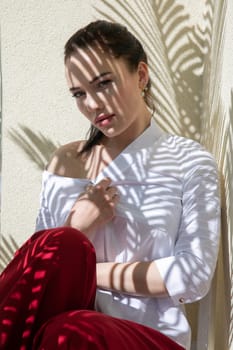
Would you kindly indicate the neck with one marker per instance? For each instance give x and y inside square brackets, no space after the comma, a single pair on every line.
[119,142]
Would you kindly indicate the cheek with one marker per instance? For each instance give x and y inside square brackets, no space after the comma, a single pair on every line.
[81,108]
[131,97]
[131,89]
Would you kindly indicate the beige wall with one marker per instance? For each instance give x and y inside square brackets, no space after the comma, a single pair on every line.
[218,135]
[191,68]
[34,96]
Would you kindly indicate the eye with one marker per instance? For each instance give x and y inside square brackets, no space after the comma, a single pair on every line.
[104,83]
[78,94]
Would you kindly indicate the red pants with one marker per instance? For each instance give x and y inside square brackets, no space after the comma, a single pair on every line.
[47,297]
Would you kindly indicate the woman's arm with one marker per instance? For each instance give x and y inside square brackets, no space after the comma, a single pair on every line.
[186,275]
[138,278]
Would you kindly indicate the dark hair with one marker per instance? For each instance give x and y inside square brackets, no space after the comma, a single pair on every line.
[119,42]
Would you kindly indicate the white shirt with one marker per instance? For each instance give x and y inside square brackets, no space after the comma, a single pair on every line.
[168,212]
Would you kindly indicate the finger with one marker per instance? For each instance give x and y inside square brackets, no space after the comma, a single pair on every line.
[104,183]
[115,200]
[111,191]
[89,188]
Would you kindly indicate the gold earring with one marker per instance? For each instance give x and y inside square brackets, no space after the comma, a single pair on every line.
[144,90]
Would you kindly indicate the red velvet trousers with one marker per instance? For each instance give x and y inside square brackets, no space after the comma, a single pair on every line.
[47,297]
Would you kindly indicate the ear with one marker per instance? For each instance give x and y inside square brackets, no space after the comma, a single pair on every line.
[143,75]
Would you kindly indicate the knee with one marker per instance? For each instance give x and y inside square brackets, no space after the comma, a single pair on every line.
[68,239]
[66,233]
[76,252]
[74,243]
[66,246]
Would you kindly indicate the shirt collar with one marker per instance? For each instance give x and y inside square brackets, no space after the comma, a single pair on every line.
[115,169]
[147,138]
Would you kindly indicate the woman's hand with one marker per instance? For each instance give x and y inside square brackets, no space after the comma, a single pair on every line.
[94,207]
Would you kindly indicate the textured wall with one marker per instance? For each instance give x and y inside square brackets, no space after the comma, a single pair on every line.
[37,106]
[217,135]
[190,58]
[35,96]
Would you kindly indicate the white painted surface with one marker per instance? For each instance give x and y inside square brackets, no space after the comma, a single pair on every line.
[35,95]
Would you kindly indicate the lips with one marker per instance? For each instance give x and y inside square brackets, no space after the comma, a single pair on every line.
[102,117]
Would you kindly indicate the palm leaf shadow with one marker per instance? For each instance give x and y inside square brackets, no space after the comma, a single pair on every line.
[37,147]
[176,52]
[213,110]
[8,247]
[224,304]
[176,57]
[180,65]
[217,136]
[230,249]
[227,240]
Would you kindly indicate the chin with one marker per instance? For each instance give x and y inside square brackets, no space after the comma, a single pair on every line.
[109,133]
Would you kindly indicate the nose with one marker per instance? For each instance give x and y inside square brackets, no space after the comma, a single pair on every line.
[93,102]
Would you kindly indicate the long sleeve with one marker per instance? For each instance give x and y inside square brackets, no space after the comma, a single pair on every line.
[188,273]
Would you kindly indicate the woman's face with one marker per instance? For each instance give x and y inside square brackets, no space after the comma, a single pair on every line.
[107,92]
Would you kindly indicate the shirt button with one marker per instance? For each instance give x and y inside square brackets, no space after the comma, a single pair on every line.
[181,300]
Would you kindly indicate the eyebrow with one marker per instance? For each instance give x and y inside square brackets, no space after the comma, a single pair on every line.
[99,76]
[93,80]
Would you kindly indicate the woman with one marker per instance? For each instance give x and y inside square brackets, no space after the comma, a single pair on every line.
[144,201]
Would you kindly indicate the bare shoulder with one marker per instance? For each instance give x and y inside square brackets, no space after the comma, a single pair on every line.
[67,161]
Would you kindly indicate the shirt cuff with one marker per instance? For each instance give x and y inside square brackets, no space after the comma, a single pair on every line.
[179,280]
